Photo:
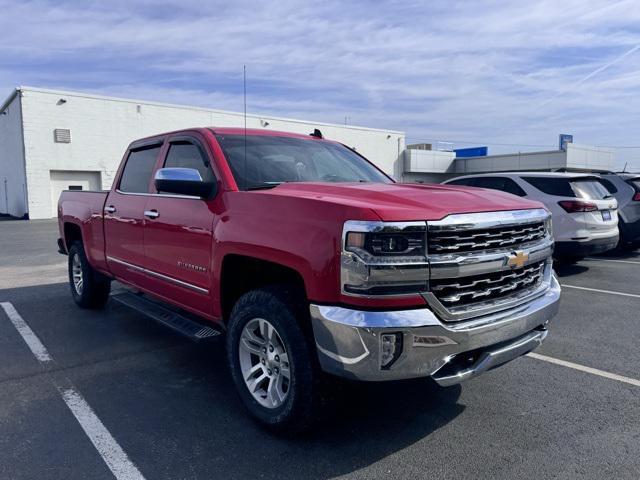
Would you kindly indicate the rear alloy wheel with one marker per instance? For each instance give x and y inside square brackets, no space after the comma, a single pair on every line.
[89,288]
[76,273]
[264,363]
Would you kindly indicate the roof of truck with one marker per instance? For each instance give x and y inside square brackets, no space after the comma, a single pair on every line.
[233,131]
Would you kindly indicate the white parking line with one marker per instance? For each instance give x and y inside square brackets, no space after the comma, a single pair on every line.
[108,448]
[30,338]
[611,292]
[612,260]
[582,368]
[113,455]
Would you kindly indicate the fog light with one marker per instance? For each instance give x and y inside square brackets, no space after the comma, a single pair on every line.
[390,349]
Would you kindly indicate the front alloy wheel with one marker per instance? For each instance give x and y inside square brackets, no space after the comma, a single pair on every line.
[272,358]
[264,363]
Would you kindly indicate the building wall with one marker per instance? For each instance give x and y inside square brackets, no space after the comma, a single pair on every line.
[13,194]
[418,161]
[102,127]
[516,161]
[588,157]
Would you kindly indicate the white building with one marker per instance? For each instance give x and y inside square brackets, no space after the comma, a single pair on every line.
[435,166]
[51,140]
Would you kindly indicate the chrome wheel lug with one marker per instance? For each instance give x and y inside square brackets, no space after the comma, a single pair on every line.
[264,350]
[277,358]
[277,370]
[263,361]
[271,348]
[269,371]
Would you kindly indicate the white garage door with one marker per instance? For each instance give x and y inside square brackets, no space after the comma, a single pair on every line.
[71,180]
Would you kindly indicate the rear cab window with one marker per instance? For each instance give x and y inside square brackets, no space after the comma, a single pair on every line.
[136,175]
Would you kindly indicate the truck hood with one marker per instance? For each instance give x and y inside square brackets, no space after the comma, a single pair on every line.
[406,202]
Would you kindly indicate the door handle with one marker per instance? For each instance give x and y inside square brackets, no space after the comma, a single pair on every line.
[151,213]
[110,209]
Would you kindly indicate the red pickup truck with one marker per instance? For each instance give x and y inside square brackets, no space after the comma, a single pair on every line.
[312,261]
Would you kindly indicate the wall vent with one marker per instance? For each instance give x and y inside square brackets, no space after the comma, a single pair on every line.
[62,135]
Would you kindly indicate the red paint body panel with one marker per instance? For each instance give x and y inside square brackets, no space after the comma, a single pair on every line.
[297,225]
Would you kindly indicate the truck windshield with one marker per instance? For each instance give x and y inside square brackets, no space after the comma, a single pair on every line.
[266,161]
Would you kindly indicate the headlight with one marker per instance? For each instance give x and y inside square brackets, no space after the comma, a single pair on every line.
[548,225]
[384,258]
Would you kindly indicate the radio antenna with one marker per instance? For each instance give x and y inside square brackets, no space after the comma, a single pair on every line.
[244,88]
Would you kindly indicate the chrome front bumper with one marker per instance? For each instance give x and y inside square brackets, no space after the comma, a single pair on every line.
[349,341]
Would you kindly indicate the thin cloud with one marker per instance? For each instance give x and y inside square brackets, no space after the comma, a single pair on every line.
[488,70]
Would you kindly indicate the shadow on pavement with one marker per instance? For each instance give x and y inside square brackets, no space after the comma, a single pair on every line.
[567,270]
[174,407]
[366,423]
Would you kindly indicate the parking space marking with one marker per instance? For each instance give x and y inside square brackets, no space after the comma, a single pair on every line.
[611,260]
[30,338]
[108,448]
[582,368]
[611,292]
[110,451]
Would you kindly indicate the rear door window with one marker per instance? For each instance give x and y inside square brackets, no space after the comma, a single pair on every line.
[503,184]
[137,171]
[560,187]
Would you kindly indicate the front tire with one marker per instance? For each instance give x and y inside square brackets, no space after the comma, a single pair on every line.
[272,360]
[89,288]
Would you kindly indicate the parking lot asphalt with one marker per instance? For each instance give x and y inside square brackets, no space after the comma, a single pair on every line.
[171,408]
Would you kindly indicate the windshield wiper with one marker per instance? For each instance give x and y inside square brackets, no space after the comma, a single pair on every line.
[263,186]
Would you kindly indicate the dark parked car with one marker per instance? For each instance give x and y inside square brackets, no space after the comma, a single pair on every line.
[626,188]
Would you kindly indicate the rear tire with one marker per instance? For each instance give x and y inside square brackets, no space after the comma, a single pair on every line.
[266,324]
[89,288]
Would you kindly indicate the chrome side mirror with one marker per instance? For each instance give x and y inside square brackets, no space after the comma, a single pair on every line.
[184,181]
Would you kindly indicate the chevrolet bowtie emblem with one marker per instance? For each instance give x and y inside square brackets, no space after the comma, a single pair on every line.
[518,259]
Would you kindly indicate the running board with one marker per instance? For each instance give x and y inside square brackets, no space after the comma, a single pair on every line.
[192,329]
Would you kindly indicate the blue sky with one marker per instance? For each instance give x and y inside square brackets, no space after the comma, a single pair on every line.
[492,72]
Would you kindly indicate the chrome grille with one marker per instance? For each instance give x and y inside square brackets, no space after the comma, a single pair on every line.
[477,288]
[460,241]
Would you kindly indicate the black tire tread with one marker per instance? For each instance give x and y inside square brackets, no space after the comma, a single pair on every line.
[285,307]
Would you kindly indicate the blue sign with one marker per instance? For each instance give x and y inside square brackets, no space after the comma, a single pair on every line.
[564,139]
[471,152]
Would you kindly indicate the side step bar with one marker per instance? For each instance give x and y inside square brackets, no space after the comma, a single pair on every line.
[190,328]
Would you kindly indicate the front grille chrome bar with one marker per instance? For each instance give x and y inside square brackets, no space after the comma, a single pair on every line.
[471,257]
[493,285]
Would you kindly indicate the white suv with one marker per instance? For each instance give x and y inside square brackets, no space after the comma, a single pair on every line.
[585,217]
